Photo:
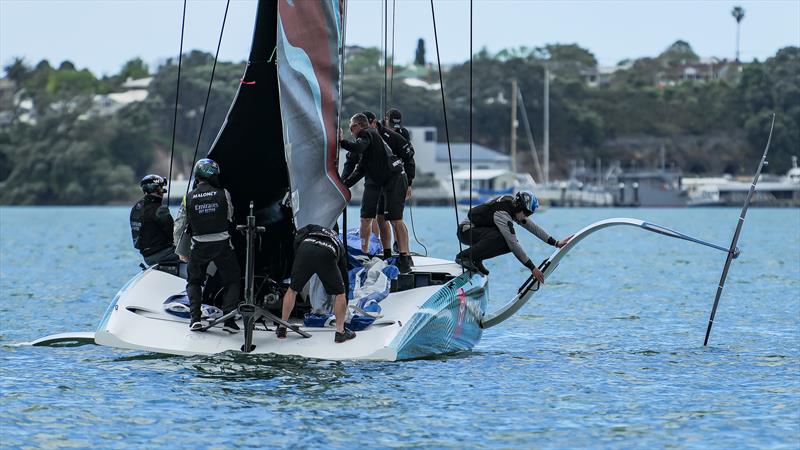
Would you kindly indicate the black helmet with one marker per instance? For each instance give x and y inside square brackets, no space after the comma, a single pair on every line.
[526,202]
[152,182]
[394,116]
[370,116]
[205,169]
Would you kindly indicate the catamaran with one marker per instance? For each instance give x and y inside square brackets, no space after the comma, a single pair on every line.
[277,151]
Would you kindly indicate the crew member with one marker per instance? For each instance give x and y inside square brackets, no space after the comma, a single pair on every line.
[318,250]
[383,172]
[489,230]
[208,211]
[393,120]
[393,207]
[152,224]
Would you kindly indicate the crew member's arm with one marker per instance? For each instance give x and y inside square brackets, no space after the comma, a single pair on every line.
[350,161]
[164,221]
[342,263]
[183,246]
[506,226]
[360,145]
[230,205]
[407,155]
[358,173]
[539,232]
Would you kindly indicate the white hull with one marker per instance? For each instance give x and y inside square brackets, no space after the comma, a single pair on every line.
[419,322]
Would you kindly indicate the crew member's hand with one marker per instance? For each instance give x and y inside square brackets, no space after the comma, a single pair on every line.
[538,274]
[184,258]
[408,193]
[564,241]
[340,135]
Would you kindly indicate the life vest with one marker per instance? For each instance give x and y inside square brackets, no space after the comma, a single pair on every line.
[207,210]
[483,214]
[148,236]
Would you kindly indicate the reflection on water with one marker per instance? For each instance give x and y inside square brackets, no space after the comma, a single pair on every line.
[608,354]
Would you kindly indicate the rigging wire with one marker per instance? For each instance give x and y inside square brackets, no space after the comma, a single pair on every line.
[472,242]
[385,57]
[208,93]
[391,76]
[446,127]
[338,121]
[177,96]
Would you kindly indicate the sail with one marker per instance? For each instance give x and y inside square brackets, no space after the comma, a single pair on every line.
[249,146]
[250,152]
[308,53]
[279,135]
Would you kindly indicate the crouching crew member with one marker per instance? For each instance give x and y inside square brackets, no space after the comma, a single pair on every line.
[391,204]
[208,210]
[382,169]
[152,224]
[318,250]
[489,230]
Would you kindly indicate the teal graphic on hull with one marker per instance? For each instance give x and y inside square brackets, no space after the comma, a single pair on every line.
[448,322]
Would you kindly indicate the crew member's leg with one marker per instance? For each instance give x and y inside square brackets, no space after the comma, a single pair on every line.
[288,303]
[302,270]
[229,274]
[369,206]
[395,203]
[340,311]
[198,263]
[487,243]
[328,272]
[384,230]
[165,256]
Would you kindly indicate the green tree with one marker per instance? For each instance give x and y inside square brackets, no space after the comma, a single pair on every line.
[419,55]
[134,69]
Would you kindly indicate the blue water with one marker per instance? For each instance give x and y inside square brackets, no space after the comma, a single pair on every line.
[608,354]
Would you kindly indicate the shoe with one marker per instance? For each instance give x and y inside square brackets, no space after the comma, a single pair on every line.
[346,335]
[198,325]
[230,326]
[281,332]
[481,267]
[404,263]
[387,253]
[467,264]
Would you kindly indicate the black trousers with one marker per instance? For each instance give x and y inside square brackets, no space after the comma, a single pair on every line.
[484,242]
[221,252]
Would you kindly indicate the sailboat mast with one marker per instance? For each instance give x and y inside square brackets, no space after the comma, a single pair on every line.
[514,125]
[546,126]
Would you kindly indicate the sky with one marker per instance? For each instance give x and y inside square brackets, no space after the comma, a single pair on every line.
[102,35]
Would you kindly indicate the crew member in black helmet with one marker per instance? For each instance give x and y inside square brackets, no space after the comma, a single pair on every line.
[152,224]
[208,210]
[318,250]
[393,120]
[391,203]
[489,229]
[382,169]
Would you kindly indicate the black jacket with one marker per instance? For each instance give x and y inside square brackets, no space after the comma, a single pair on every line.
[402,148]
[377,162]
[399,129]
[151,225]
[483,214]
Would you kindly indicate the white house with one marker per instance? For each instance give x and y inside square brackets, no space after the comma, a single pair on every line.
[432,156]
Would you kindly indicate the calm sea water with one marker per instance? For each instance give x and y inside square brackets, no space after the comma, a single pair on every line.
[607,355]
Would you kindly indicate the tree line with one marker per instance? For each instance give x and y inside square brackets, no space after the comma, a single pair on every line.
[57,147]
